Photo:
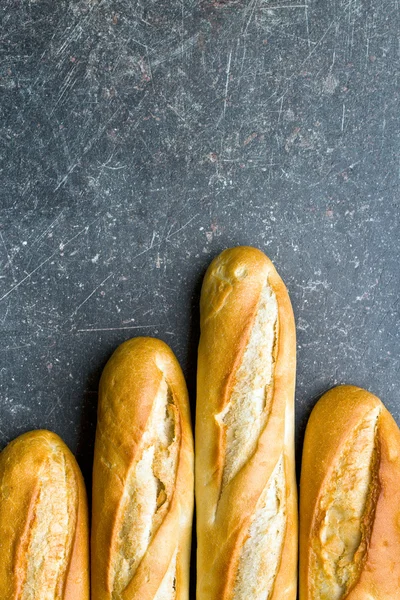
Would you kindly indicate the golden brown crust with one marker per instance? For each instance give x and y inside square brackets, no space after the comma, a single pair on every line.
[33,502]
[230,298]
[337,418]
[129,386]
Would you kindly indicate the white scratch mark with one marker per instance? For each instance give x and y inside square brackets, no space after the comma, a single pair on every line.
[16,286]
[177,52]
[65,244]
[228,70]
[145,250]
[152,239]
[183,25]
[318,43]
[90,295]
[251,8]
[367,51]
[10,348]
[280,110]
[41,236]
[150,70]
[119,328]
[64,179]
[307,25]
[309,55]
[352,40]
[286,6]
[170,235]
[9,261]
[58,404]
[60,248]
[333,61]
[87,148]
[383,125]
[343,112]
[3,320]
[176,112]
[69,82]
[242,65]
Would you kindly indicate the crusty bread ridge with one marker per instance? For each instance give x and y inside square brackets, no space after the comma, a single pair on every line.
[142,477]
[43,521]
[246,500]
[350,500]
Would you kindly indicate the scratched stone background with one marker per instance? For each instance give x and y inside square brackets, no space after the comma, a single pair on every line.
[138,138]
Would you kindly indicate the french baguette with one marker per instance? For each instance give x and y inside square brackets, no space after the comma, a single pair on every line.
[43,521]
[142,477]
[350,500]
[246,499]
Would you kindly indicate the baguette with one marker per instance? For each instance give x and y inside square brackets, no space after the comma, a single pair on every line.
[350,500]
[246,498]
[43,521]
[142,477]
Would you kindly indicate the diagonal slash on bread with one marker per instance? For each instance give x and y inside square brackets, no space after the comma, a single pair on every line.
[142,477]
[350,500]
[245,486]
[148,490]
[43,521]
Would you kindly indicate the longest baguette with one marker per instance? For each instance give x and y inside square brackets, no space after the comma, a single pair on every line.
[350,500]
[245,473]
[44,550]
[142,477]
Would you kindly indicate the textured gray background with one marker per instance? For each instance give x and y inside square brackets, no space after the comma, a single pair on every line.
[140,138]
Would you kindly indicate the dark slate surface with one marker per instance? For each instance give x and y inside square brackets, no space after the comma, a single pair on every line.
[140,138]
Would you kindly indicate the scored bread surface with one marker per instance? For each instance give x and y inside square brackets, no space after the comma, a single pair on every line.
[167,590]
[345,494]
[43,521]
[340,544]
[142,477]
[245,487]
[148,489]
[259,558]
[247,411]
[51,533]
